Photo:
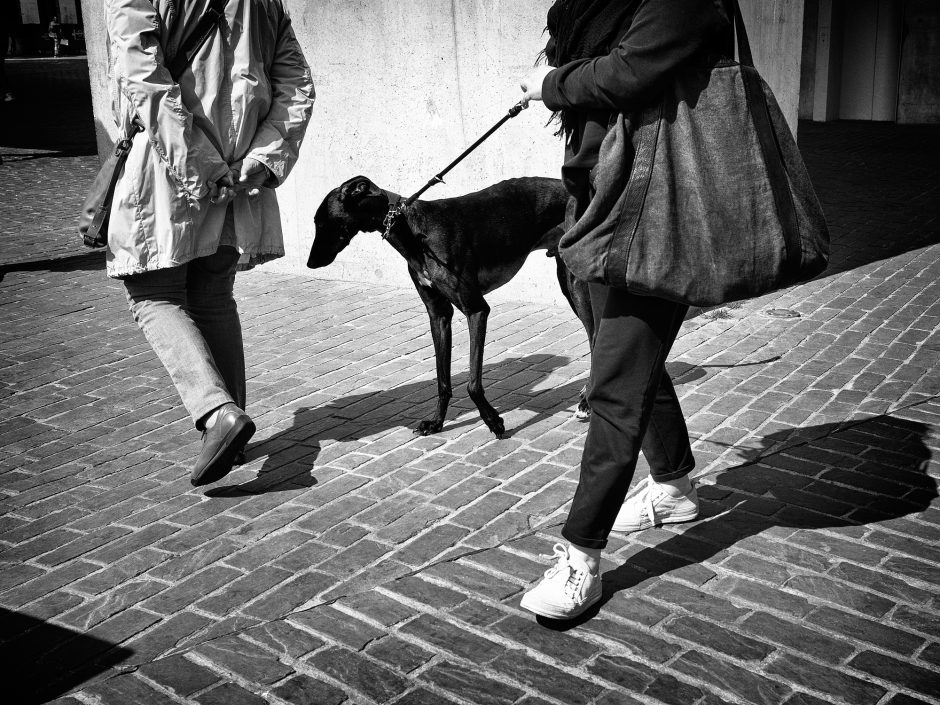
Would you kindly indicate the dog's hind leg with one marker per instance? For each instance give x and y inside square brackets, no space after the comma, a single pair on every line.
[578,295]
[477,323]
[440,312]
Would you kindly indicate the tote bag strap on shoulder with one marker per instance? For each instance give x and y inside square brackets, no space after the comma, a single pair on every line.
[777,175]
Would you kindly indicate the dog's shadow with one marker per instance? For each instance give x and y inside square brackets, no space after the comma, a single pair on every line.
[517,387]
[843,477]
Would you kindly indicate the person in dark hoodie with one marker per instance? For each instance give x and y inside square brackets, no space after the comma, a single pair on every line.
[606,57]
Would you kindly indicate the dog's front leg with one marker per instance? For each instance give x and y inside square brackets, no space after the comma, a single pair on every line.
[440,312]
[477,322]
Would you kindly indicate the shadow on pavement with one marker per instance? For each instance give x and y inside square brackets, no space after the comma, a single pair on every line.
[44,661]
[52,111]
[871,472]
[879,185]
[510,384]
[86,262]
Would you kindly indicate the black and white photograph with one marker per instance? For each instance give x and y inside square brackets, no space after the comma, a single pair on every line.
[470,352]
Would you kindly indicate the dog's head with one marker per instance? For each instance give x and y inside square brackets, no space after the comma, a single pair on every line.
[356,206]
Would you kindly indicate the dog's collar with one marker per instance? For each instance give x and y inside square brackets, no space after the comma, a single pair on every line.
[393,212]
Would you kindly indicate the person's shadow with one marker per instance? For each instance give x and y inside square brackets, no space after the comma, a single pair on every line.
[839,476]
[510,384]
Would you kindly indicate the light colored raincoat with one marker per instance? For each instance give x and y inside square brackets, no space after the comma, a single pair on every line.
[248,93]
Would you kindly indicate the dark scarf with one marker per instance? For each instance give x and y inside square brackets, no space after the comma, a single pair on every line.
[583,29]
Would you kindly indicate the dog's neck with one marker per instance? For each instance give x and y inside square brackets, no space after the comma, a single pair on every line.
[401,236]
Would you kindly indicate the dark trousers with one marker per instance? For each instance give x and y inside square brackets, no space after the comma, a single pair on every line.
[633,407]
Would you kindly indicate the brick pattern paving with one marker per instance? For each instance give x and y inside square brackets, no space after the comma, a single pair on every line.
[350,561]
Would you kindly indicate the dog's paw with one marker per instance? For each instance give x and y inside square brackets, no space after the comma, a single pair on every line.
[497,427]
[428,426]
[583,412]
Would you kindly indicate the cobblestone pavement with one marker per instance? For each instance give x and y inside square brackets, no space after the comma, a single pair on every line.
[351,561]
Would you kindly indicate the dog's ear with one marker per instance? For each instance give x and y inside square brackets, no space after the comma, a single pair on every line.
[356,189]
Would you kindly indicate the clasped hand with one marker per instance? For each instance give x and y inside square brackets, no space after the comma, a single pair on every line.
[245,175]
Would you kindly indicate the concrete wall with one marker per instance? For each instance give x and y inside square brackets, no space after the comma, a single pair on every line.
[919,90]
[403,86]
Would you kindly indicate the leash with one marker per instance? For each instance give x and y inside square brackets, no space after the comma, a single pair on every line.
[396,210]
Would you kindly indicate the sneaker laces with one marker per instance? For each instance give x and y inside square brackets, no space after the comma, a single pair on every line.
[647,491]
[575,577]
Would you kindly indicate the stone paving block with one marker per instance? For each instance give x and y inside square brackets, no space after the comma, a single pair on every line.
[715,637]
[898,672]
[469,684]
[797,637]
[545,679]
[432,543]
[267,549]
[304,690]
[189,591]
[452,638]
[97,610]
[236,655]
[425,592]
[695,601]
[179,675]
[401,655]
[128,690]
[468,578]
[918,620]
[837,593]
[289,596]
[359,672]
[229,694]
[927,573]
[337,626]
[53,580]
[165,636]
[242,590]
[763,595]
[190,562]
[839,686]
[629,674]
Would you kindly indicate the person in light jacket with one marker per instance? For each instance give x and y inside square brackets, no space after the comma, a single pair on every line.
[607,57]
[196,199]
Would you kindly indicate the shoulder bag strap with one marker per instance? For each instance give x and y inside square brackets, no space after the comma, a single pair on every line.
[111,171]
[193,42]
[773,160]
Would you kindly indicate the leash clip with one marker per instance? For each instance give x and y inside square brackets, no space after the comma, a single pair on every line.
[391,217]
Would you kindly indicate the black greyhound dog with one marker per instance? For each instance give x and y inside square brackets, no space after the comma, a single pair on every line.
[457,250]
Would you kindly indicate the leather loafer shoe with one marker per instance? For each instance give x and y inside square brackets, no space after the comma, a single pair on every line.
[220,444]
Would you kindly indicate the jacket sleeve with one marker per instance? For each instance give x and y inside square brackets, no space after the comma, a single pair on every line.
[662,35]
[142,76]
[277,140]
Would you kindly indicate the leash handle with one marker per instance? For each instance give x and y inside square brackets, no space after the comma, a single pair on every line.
[439,178]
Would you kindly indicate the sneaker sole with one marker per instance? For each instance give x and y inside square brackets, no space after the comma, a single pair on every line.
[222,464]
[672,519]
[543,611]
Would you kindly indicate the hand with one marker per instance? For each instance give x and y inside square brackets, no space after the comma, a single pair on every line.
[250,175]
[532,83]
[221,191]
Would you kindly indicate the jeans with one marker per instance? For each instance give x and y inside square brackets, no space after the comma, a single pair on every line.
[633,407]
[189,316]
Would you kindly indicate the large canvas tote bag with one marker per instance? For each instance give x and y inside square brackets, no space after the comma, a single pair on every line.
[702,198]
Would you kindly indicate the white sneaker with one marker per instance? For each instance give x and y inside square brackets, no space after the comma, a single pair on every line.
[566,591]
[652,506]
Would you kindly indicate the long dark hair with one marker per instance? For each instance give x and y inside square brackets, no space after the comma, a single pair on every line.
[583,29]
